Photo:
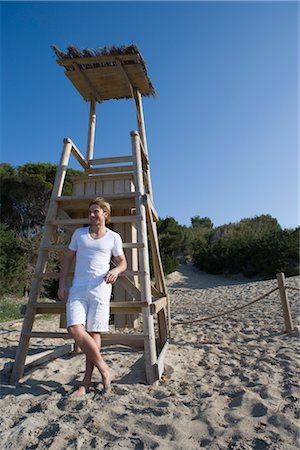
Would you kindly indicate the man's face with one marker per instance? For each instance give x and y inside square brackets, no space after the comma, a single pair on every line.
[96,215]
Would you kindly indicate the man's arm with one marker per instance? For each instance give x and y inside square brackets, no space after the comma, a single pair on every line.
[66,266]
[121,265]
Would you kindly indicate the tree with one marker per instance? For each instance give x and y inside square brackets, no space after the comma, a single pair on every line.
[172,243]
[12,263]
[25,194]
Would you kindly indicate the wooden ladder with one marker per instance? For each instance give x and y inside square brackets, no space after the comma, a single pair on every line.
[125,183]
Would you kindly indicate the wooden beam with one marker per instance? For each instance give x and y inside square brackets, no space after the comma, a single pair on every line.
[97,59]
[22,350]
[46,356]
[285,303]
[79,157]
[92,88]
[148,322]
[91,130]
[112,160]
[112,169]
[161,360]
[157,305]
[83,220]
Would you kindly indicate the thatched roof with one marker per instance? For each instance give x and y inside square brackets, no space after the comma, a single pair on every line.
[106,73]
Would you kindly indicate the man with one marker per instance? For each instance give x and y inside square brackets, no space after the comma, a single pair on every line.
[88,299]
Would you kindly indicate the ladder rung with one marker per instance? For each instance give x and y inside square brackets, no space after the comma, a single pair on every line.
[60,307]
[112,169]
[132,273]
[48,334]
[78,198]
[133,245]
[112,160]
[55,275]
[128,304]
[131,340]
[63,247]
[82,221]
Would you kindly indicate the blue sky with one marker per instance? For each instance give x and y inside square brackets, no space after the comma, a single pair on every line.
[222,133]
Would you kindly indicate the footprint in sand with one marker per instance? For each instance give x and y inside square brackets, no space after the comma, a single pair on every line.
[259,410]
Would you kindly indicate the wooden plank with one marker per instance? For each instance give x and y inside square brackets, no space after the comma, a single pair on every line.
[156,260]
[156,293]
[91,130]
[158,304]
[133,245]
[98,59]
[129,340]
[161,360]
[90,84]
[78,189]
[118,288]
[46,356]
[112,160]
[48,334]
[78,179]
[132,273]
[128,304]
[90,189]
[108,186]
[75,198]
[78,155]
[162,325]
[55,275]
[130,287]
[83,220]
[63,247]
[285,303]
[21,353]
[148,323]
[121,312]
[111,170]
[153,210]
[60,307]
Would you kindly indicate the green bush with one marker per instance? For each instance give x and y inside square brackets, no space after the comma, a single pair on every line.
[256,246]
[12,263]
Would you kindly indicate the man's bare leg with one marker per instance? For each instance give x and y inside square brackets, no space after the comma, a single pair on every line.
[90,347]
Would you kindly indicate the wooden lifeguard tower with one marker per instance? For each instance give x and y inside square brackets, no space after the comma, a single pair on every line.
[124,181]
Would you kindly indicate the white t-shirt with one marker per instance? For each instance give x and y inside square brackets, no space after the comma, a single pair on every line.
[93,255]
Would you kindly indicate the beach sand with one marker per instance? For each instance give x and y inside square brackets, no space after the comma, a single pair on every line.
[229,383]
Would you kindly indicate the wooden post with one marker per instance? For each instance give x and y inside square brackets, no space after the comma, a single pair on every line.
[18,368]
[285,302]
[148,323]
[142,129]
[91,130]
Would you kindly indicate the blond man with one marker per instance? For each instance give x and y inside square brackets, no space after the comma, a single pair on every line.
[89,296]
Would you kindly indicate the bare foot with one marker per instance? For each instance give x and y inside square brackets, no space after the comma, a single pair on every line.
[82,390]
[106,380]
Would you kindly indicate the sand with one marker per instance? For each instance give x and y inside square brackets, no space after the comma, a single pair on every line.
[229,383]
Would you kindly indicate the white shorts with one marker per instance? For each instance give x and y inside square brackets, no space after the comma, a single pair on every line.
[89,306]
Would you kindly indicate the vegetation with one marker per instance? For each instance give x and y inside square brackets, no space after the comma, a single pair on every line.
[254,246]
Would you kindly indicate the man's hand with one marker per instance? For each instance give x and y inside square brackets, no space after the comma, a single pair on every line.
[63,293]
[66,266]
[121,265]
[112,276]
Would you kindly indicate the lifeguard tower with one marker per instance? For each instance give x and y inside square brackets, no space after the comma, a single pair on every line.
[140,304]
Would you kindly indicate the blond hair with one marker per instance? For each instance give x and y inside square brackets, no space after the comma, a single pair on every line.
[105,206]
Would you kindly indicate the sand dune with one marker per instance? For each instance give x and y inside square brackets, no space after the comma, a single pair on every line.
[229,383]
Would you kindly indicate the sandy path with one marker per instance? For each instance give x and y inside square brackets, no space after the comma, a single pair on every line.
[229,383]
